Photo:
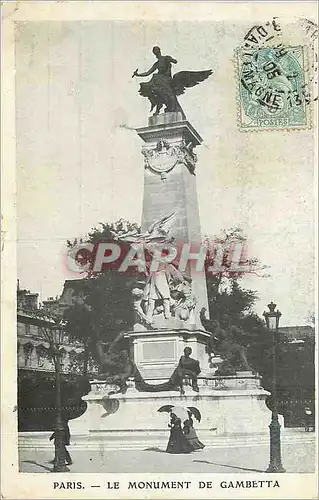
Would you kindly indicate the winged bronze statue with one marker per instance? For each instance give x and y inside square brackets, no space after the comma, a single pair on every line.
[163,89]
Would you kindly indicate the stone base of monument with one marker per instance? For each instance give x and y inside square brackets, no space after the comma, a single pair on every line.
[229,406]
[156,352]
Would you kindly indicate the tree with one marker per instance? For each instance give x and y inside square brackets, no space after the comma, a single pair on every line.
[231,305]
[107,233]
[78,325]
[229,302]
[102,306]
[231,312]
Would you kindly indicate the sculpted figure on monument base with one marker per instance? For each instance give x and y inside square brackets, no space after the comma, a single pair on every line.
[140,316]
[225,344]
[167,291]
[114,367]
[117,368]
[163,89]
[183,301]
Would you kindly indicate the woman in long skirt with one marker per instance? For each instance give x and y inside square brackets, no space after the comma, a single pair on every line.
[177,441]
[191,435]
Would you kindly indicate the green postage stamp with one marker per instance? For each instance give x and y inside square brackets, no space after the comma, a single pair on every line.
[272,89]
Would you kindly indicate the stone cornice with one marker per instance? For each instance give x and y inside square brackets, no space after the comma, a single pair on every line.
[174,129]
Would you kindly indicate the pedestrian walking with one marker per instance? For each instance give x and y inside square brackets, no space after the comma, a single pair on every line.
[191,435]
[177,440]
[66,442]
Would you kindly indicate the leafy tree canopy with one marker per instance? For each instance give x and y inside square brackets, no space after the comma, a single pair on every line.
[102,307]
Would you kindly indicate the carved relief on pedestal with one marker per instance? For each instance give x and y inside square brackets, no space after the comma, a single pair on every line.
[179,304]
[165,155]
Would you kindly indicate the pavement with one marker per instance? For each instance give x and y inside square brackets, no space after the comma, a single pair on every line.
[298,456]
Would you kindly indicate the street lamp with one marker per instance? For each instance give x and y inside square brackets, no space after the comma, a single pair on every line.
[59,431]
[53,331]
[272,321]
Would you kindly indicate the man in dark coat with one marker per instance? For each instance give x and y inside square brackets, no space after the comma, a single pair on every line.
[66,442]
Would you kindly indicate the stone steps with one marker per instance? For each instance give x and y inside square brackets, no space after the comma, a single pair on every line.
[40,441]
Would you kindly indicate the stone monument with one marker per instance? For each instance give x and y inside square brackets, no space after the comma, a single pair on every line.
[170,188]
[168,306]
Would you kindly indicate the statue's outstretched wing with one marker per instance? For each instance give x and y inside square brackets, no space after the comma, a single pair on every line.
[158,231]
[186,79]
[163,225]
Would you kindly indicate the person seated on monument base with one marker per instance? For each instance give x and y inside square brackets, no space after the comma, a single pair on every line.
[187,368]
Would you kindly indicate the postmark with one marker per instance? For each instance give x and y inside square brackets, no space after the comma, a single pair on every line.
[310,30]
[272,89]
[266,33]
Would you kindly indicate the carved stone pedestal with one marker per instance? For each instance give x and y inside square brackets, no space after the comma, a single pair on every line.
[156,352]
[230,406]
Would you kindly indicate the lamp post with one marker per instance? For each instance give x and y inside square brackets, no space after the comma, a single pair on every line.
[52,329]
[272,321]
[59,430]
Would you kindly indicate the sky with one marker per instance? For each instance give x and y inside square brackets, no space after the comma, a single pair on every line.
[79,158]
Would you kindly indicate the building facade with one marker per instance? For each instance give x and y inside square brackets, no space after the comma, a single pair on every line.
[36,370]
[33,350]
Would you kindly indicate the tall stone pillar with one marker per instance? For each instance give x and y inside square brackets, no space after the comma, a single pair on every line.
[170,186]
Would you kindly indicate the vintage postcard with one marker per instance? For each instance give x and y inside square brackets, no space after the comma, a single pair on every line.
[159,231]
